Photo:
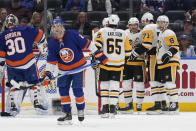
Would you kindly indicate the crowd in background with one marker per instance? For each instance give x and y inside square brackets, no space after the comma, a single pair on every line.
[85,16]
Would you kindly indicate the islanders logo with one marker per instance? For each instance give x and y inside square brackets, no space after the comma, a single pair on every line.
[66,55]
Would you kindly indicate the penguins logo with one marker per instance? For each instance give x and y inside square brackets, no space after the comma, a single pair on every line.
[66,55]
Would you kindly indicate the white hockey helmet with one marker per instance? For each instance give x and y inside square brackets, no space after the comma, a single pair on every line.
[163,18]
[113,20]
[11,20]
[133,20]
[105,21]
[147,17]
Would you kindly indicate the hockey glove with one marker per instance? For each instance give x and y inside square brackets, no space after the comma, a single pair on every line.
[48,77]
[133,56]
[166,57]
[99,55]
[92,61]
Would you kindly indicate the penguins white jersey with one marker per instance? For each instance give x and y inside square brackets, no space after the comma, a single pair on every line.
[135,39]
[115,45]
[167,40]
[150,35]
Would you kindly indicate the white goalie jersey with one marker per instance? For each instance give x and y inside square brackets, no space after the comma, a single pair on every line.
[115,45]
[167,40]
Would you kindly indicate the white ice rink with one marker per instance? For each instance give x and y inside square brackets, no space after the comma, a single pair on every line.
[181,122]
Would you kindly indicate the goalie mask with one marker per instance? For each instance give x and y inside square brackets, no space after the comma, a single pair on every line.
[11,21]
[57,27]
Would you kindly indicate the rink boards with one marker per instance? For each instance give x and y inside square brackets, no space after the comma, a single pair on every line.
[186,82]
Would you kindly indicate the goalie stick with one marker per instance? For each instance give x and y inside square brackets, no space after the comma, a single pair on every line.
[19,87]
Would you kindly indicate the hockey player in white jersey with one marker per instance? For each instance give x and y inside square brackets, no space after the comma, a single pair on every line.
[115,45]
[134,70]
[168,60]
[150,35]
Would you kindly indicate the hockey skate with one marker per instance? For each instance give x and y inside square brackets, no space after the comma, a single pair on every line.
[155,110]
[40,109]
[139,108]
[13,109]
[164,107]
[66,119]
[113,111]
[81,115]
[127,110]
[105,111]
[173,108]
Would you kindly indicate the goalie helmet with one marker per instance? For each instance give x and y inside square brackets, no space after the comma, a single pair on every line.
[113,20]
[147,17]
[133,20]
[105,21]
[11,20]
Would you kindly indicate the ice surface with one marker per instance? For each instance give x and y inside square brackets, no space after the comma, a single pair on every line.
[181,122]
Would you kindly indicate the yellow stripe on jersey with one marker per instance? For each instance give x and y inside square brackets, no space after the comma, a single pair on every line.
[171,40]
[174,73]
[98,39]
[142,63]
[147,36]
[169,65]
[116,61]
[128,47]
[111,68]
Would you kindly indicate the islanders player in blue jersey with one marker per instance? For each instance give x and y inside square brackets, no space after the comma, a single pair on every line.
[65,51]
[16,50]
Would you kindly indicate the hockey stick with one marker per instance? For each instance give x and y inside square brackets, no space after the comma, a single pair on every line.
[19,87]
[95,72]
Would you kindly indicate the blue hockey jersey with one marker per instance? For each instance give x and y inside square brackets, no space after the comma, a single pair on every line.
[68,53]
[16,46]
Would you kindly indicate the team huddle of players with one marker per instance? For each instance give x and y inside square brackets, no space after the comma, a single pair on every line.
[123,55]
[129,54]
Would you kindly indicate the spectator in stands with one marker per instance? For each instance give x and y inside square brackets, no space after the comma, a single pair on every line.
[23,22]
[3,14]
[100,5]
[19,11]
[29,4]
[189,30]
[75,6]
[191,16]
[36,20]
[40,9]
[82,25]
[177,5]
[186,49]
[152,5]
